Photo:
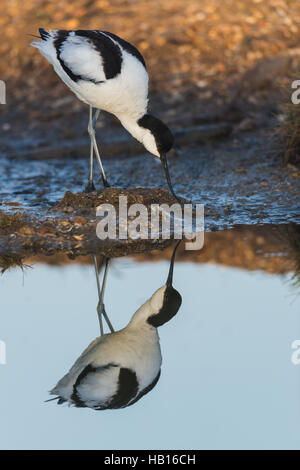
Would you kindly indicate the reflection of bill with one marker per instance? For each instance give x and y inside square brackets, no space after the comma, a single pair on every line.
[296,354]
[2,352]
[2,92]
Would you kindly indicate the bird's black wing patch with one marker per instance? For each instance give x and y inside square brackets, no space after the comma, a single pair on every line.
[81,377]
[110,53]
[127,389]
[61,36]
[146,389]
[127,47]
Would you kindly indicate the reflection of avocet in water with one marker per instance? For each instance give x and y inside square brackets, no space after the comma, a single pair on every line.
[118,368]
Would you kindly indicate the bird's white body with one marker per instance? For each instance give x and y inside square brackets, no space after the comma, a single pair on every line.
[136,348]
[125,95]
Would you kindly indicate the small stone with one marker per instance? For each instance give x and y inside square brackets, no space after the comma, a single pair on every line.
[78,237]
[43,230]
[6,127]
[12,203]
[79,220]
[26,230]
[246,124]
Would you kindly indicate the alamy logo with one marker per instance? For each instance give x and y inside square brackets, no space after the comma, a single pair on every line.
[2,352]
[295,98]
[137,221]
[296,354]
[2,92]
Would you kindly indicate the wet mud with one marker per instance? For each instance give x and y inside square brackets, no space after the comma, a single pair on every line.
[239,180]
[146,196]
[273,249]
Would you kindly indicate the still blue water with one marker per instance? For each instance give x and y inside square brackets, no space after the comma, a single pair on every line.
[227,376]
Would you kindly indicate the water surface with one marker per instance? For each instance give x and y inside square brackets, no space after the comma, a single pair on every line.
[227,377]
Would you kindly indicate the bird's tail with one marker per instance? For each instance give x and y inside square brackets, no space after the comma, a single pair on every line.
[60,400]
[44,36]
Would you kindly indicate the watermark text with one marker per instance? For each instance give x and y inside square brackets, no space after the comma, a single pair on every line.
[295,358]
[2,353]
[157,221]
[295,97]
[2,92]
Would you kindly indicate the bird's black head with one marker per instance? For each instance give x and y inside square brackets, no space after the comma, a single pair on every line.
[171,301]
[157,139]
[171,304]
[162,135]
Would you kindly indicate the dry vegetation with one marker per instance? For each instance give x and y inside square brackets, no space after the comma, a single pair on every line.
[294,242]
[289,134]
[10,261]
[10,222]
[211,53]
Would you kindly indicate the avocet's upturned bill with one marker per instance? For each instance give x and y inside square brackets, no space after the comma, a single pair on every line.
[109,74]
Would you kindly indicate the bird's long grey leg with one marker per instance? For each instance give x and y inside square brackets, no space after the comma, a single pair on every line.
[91,130]
[90,186]
[100,308]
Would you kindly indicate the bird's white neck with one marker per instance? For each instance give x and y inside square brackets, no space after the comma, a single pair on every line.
[151,307]
[140,133]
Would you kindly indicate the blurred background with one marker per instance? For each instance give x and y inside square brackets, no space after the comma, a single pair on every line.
[208,61]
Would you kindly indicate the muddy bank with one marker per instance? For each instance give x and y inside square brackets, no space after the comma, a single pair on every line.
[268,248]
[74,202]
[239,181]
[72,236]
[72,226]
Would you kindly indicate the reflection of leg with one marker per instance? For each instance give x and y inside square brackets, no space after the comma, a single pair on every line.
[99,311]
[100,308]
[102,296]
[91,130]
[107,320]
